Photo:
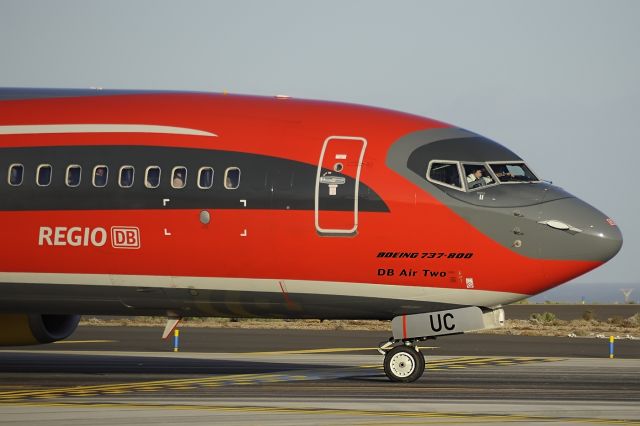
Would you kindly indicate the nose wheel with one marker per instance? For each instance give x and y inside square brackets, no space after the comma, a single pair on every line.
[404,364]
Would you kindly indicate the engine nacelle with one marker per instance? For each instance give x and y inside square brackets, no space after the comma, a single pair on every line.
[33,329]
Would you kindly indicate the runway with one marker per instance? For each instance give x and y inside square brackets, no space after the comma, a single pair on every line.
[104,381]
[205,340]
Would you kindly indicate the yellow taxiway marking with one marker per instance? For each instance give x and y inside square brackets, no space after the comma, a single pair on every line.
[67,342]
[260,378]
[443,416]
[310,351]
[323,351]
[157,384]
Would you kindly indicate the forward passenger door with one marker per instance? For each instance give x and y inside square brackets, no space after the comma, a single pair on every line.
[337,185]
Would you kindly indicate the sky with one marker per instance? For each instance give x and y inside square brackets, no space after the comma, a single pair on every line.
[557,82]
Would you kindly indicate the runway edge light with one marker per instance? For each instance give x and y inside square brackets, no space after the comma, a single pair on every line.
[611,340]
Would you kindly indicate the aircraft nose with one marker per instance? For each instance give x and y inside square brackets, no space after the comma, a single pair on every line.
[605,239]
[586,233]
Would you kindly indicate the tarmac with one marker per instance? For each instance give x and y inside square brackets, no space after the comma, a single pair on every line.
[128,375]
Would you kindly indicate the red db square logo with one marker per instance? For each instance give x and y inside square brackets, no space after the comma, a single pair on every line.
[125,237]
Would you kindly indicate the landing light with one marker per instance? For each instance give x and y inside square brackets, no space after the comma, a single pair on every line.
[556,224]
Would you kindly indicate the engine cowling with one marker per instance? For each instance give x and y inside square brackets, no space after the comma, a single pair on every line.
[33,329]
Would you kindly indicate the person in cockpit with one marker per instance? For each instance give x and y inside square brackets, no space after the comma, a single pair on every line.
[502,171]
[477,178]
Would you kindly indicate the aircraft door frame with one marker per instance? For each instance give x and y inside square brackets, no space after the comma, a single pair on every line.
[325,182]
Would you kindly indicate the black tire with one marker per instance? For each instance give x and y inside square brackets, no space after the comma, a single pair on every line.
[404,364]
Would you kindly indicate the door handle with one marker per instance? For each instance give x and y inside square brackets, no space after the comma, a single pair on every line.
[333,180]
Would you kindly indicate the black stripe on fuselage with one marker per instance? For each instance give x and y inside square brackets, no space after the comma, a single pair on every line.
[266,182]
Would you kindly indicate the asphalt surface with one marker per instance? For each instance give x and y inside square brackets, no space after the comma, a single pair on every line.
[191,339]
[107,375]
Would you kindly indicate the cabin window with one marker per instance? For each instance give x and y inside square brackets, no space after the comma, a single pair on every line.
[43,175]
[477,175]
[445,173]
[73,175]
[100,176]
[179,177]
[232,178]
[205,177]
[125,179]
[513,172]
[152,177]
[16,174]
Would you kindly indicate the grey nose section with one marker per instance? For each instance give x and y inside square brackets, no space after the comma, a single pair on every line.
[606,240]
[574,229]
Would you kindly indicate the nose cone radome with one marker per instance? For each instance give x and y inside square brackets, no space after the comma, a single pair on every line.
[576,230]
[607,239]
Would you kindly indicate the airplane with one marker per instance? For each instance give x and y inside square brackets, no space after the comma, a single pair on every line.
[191,204]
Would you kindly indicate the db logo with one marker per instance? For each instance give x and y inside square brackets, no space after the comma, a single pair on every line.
[125,237]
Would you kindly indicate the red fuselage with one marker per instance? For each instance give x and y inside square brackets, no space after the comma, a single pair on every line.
[281,243]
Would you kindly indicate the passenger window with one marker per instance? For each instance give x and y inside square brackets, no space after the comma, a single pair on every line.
[477,176]
[445,173]
[126,176]
[16,173]
[152,177]
[179,177]
[73,175]
[100,176]
[43,175]
[232,178]
[205,178]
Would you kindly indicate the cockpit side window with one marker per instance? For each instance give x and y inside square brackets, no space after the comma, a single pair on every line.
[513,172]
[444,173]
[477,176]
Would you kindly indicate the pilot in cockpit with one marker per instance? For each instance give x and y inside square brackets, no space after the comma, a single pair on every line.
[477,178]
[502,171]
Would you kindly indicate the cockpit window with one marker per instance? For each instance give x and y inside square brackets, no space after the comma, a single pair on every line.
[477,176]
[445,172]
[513,172]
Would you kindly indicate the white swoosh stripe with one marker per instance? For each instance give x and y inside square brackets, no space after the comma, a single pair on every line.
[32,129]
[433,294]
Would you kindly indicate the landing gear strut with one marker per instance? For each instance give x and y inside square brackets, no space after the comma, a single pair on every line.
[403,363]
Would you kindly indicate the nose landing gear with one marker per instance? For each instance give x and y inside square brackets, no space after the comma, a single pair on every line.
[403,363]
